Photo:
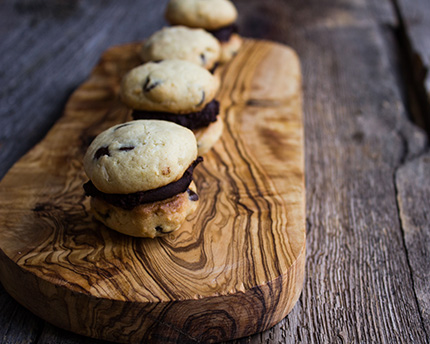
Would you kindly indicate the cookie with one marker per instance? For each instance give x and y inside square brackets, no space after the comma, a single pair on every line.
[182,43]
[148,220]
[141,177]
[208,136]
[230,48]
[216,16]
[173,86]
[139,155]
[206,14]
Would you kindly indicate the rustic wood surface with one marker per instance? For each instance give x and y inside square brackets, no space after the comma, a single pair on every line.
[364,281]
[235,269]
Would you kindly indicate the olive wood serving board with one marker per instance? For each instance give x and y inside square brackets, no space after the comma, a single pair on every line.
[236,268]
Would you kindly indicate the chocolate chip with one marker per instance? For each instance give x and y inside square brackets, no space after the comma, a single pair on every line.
[101,151]
[127,148]
[159,229]
[192,196]
[203,98]
[203,58]
[121,126]
[103,216]
[148,86]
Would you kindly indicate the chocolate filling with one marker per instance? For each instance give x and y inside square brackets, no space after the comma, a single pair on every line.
[224,33]
[193,120]
[129,201]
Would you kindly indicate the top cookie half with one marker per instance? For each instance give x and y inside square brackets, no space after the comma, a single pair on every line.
[206,14]
[174,86]
[139,156]
[183,43]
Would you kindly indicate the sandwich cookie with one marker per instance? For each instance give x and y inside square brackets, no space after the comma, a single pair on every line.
[177,91]
[182,43]
[216,16]
[141,177]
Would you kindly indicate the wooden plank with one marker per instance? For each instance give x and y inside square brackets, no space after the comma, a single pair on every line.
[358,286]
[235,269]
[413,185]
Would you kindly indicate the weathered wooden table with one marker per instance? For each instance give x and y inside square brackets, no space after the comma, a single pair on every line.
[367,120]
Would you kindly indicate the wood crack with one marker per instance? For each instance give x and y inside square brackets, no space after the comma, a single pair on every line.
[414,73]
[408,259]
[411,190]
[407,237]
[402,162]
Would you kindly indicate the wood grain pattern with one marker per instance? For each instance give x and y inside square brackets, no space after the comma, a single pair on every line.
[236,269]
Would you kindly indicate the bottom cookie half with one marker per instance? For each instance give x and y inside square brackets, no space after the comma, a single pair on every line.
[148,220]
[208,136]
[230,48]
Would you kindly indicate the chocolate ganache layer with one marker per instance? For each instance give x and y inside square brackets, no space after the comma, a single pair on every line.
[224,33]
[129,201]
[193,120]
